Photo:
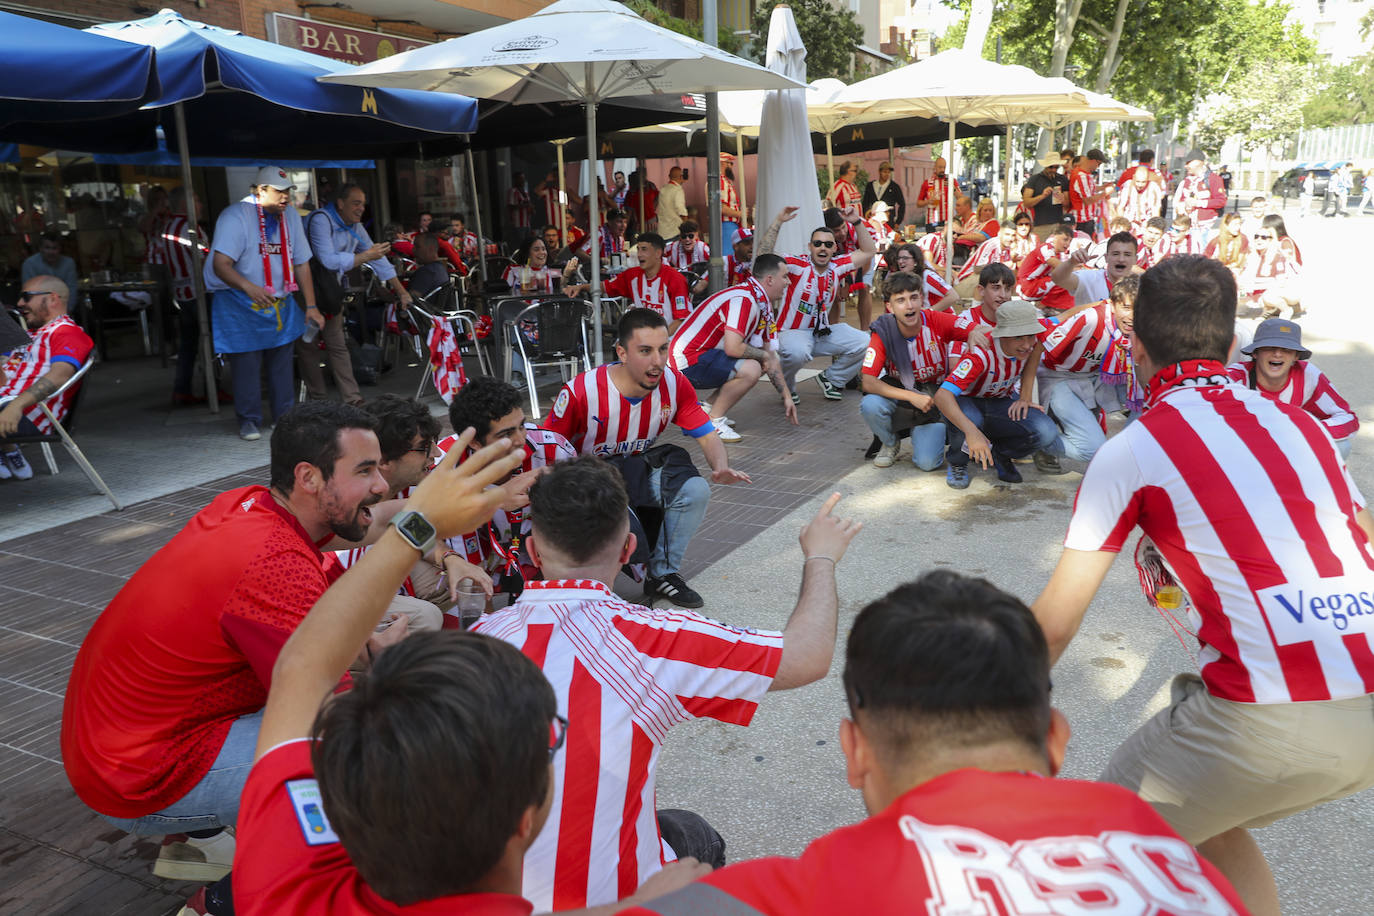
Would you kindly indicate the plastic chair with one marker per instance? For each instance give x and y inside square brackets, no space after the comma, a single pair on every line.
[560,337]
[63,434]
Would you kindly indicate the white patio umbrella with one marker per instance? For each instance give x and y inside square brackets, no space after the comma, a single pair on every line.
[957,85]
[787,170]
[580,50]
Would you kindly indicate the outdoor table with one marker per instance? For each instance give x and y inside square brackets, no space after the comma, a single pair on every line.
[156,291]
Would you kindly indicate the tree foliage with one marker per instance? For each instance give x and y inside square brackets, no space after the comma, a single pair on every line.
[726,39]
[1172,55]
[1346,95]
[1266,112]
[829,33]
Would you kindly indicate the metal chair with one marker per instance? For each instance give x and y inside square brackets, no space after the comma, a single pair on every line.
[466,327]
[63,434]
[561,329]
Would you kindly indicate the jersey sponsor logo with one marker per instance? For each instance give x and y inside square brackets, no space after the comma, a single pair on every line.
[561,405]
[623,448]
[1113,872]
[964,368]
[308,804]
[1301,613]
[869,358]
[248,503]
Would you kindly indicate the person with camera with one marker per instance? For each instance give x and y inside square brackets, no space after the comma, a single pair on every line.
[340,245]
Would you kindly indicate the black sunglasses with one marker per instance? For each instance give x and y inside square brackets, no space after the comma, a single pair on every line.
[816,244]
[26,295]
[1260,235]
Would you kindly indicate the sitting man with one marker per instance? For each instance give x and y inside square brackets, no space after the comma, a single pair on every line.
[432,272]
[808,323]
[1035,278]
[165,699]
[653,284]
[998,249]
[728,343]
[617,411]
[625,675]
[902,369]
[611,234]
[738,264]
[996,285]
[970,230]
[952,742]
[1086,371]
[30,376]
[1280,368]
[496,555]
[469,723]
[687,249]
[49,262]
[986,422]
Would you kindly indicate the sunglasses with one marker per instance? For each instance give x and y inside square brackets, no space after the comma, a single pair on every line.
[26,295]
[1259,235]
[558,733]
[816,244]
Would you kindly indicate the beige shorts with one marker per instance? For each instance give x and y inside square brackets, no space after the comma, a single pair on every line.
[1208,765]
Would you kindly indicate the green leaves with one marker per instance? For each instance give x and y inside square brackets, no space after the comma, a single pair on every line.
[829,33]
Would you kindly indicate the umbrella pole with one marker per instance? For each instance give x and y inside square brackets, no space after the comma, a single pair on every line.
[949,209]
[1006,180]
[829,162]
[743,196]
[643,187]
[562,208]
[477,219]
[592,226]
[207,346]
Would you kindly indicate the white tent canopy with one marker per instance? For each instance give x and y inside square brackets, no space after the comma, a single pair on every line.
[580,50]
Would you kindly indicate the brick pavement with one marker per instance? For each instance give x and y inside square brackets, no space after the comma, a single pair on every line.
[56,855]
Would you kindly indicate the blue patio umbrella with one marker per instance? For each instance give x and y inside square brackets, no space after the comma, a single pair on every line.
[53,73]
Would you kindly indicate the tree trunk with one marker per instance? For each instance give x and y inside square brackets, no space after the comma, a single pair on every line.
[1065,20]
[1111,57]
[980,18]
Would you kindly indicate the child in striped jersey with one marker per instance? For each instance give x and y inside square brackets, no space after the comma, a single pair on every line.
[986,422]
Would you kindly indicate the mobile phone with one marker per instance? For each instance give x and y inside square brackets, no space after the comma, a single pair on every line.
[685,175]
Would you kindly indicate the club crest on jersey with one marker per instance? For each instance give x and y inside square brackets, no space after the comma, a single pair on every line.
[561,405]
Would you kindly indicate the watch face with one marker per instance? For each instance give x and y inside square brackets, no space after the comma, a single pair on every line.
[416,528]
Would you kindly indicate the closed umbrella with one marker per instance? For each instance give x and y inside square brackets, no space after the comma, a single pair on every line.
[787,171]
[583,50]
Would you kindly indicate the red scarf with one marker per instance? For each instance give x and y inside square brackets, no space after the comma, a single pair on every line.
[1117,367]
[1191,373]
[267,255]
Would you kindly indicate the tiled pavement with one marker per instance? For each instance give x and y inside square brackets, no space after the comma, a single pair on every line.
[57,857]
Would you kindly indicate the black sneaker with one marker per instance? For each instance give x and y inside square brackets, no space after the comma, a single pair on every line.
[1046,463]
[1006,468]
[672,588]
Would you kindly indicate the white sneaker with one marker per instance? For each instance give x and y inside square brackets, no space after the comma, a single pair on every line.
[16,465]
[5,473]
[886,455]
[728,422]
[724,431]
[185,858]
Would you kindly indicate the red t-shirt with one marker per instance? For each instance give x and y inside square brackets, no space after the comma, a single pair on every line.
[666,293]
[289,860]
[184,649]
[977,842]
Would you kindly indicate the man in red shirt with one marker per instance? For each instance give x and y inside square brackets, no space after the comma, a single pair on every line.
[419,790]
[1035,278]
[165,698]
[1201,195]
[653,284]
[30,376]
[1266,547]
[952,742]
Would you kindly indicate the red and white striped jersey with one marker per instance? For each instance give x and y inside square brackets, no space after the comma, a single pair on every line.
[985,372]
[1265,269]
[882,234]
[610,243]
[1307,388]
[933,244]
[1149,255]
[666,293]
[810,293]
[1079,344]
[555,203]
[1185,243]
[737,271]
[935,286]
[1139,205]
[926,350]
[937,191]
[1082,186]
[1251,505]
[624,676]
[682,256]
[467,245]
[598,419]
[743,309]
[61,340]
[969,319]
[843,194]
[518,205]
[1034,281]
[990,252]
[729,197]
[544,279]
[1024,246]
[173,248]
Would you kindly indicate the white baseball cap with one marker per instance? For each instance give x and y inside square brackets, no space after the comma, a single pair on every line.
[273,176]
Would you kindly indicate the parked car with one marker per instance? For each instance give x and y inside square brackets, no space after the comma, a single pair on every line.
[1289,184]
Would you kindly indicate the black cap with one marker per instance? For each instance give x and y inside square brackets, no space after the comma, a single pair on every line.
[1195,154]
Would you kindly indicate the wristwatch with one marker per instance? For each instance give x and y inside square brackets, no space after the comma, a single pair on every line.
[417,531]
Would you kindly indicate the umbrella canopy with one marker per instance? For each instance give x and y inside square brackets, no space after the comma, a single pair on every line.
[53,73]
[787,173]
[582,50]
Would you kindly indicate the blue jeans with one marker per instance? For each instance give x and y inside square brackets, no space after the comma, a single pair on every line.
[1083,434]
[1342,445]
[927,440]
[681,518]
[214,801]
[247,368]
[1010,438]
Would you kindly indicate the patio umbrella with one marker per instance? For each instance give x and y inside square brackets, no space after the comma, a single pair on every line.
[958,85]
[786,169]
[581,50]
[53,73]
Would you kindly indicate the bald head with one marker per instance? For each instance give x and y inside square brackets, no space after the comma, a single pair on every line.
[675,174]
[46,283]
